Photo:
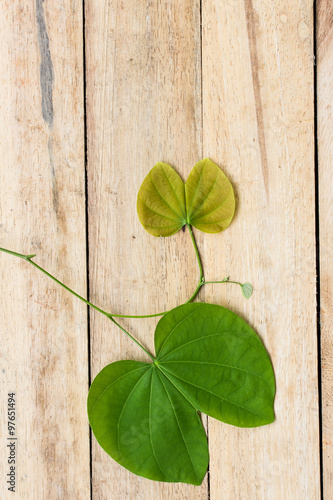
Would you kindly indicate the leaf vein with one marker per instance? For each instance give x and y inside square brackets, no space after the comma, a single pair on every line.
[218,396]
[149,420]
[122,411]
[195,340]
[211,189]
[157,191]
[113,382]
[174,328]
[216,208]
[157,213]
[224,366]
[188,210]
[180,430]
[180,203]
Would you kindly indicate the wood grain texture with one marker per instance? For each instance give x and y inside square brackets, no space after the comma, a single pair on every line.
[259,125]
[325,158]
[42,210]
[143,106]
[251,111]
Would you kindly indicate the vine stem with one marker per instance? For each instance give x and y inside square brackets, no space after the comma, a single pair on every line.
[111,316]
[202,279]
[130,336]
[224,281]
[108,315]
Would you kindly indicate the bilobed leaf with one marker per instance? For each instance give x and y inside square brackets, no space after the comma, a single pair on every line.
[145,415]
[210,199]
[247,290]
[206,201]
[161,201]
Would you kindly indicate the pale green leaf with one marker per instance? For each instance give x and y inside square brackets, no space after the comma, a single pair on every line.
[161,201]
[210,199]
[206,201]
[145,415]
[247,290]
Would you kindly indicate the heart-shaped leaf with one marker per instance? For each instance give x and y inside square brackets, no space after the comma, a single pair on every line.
[161,201]
[146,415]
[206,201]
[210,199]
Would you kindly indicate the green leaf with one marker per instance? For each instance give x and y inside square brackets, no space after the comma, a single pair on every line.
[145,415]
[210,199]
[218,362]
[247,290]
[161,201]
[206,201]
[144,423]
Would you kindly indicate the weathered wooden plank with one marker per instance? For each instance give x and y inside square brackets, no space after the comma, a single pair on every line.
[325,158]
[143,106]
[259,123]
[42,203]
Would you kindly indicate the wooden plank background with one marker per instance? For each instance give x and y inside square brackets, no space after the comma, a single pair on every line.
[92,95]
[325,162]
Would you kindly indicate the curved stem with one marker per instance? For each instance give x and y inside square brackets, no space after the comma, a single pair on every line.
[29,257]
[200,284]
[108,315]
[111,315]
[197,254]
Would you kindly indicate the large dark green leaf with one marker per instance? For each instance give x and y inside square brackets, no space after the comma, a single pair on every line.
[218,362]
[145,415]
[206,201]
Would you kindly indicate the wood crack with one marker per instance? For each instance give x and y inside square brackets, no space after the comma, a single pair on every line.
[256,90]
[46,74]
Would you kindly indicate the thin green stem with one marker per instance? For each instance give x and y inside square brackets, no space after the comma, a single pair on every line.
[197,254]
[25,257]
[29,257]
[223,281]
[200,284]
[131,337]
[108,315]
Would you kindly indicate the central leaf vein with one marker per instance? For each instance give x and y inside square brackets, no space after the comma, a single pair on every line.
[213,210]
[123,408]
[162,197]
[149,424]
[180,203]
[195,192]
[179,427]
[205,198]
